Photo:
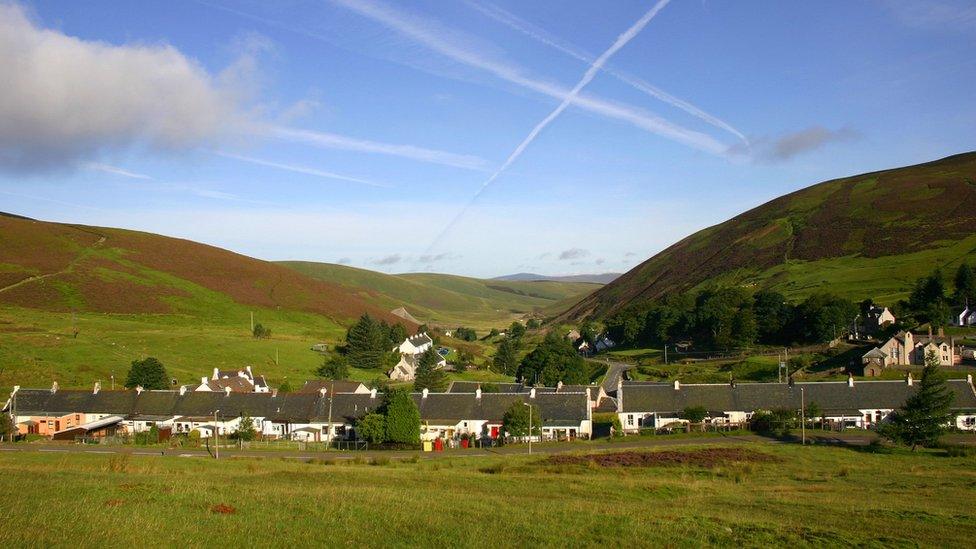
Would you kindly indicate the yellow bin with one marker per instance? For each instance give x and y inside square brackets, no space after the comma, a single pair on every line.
[428,446]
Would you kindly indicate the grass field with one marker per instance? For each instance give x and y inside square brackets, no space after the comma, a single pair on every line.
[806,496]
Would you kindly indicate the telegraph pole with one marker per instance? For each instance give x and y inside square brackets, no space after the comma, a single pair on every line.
[803,419]
[331,394]
[252,322]
[216,437]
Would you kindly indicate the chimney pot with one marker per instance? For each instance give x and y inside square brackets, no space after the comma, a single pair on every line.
[477,393]
[850,380]
[372,393]
[215,373]
[274,392]
[227,391]
[532,392]
[559,385]
[203,381]
[909,379]
[54,387]
[969,379]
[139,389]
[323,391]
[98,387]
[425,393]
[182,390]
[677,385]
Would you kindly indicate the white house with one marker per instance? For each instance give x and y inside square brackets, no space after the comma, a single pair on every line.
[863,404]
[967,317]
[410,351]
[239,381]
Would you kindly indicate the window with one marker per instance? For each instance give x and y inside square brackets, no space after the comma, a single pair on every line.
[630,420]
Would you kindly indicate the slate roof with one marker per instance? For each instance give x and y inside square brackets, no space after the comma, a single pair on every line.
[556,408]
[875,353]
[830,396]
[340,386]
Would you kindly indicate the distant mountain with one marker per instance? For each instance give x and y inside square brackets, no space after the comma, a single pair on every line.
[604,278]
[450,300]
[866,236]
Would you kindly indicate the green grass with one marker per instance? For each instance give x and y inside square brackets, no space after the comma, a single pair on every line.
[813,496]
[449,300]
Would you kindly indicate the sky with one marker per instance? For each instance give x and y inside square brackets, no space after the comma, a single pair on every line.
[475,137]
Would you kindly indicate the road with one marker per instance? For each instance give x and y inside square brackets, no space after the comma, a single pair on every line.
[614,371]
[628,443]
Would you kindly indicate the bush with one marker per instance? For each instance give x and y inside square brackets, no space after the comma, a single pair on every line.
[372,428]
[402,417]
[775,423]
[260,332]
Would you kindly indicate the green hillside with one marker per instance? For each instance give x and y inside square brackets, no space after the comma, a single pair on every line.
[869,235]
[78,304]
[450,300]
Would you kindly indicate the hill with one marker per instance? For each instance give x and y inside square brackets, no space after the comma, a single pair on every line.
[870,235]
[602,278]
[450,300]
[79,303]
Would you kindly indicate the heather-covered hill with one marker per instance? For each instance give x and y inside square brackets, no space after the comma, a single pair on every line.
[869,235]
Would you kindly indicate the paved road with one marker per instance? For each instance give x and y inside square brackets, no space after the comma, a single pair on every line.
[614,371]
[541,449]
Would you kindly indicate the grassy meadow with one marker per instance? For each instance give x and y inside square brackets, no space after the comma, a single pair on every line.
[805,496]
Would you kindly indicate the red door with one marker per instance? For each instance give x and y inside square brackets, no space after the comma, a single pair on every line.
[494,432]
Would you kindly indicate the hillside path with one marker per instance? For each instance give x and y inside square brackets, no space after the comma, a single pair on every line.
[614,372]
[66,269]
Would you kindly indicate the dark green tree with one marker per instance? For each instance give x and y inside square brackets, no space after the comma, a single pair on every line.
[552,361]
[928,299]
[367,341]
[397,334]
[372,428]
[822,317]
[505,360]
[965,283]
[245,429]
[335,366]
[516,330]
[285,387]
[515,421]
[533,324]
[260,332]
[694,414]
[429,375]
[926,415]
[773,315]
[588,332]
[402,417]
[148,373]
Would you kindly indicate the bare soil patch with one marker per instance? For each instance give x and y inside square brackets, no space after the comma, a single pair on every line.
[223,509]
[707,457]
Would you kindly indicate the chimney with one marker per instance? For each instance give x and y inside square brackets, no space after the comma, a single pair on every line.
[969,380]
[930,331]
[249,374]
[909,379]
[620,385]
[477,393]
[139,389]
[182,390]
[941,332]
[226,391]
[54,387]
[589,395]
[215,373]
[559,385]
[425,392]
[16,388]
[323,391]
[372,393]
[731,381]
[850,380]
[203,381]
[532,392]
[677,385]
[98,387]
[274,392]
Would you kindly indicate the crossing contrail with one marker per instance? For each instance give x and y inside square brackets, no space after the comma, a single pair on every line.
[514,22]
[588,76]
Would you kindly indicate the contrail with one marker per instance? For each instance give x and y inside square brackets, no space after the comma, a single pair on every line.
[299,169]
[430,35]
[539,35]
[588,76]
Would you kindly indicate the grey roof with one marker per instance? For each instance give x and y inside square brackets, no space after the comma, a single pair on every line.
[875,353]
[830,396]
[291,407]
[339,386]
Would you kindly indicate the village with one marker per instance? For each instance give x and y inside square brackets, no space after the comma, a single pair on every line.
[331,413]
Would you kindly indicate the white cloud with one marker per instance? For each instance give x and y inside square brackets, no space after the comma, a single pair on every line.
[573,253]
[65,100]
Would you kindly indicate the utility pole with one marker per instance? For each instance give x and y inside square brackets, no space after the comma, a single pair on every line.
[803,418]
[530,426]
[252,322]
[113,381]
[276,356]
[329,434]
[216,437]
[665,354]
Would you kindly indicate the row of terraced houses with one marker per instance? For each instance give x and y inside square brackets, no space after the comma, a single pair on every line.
[316,414]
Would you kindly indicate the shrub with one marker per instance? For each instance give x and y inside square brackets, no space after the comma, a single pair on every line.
[372,428]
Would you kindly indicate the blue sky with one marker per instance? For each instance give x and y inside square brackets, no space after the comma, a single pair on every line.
[471,137]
